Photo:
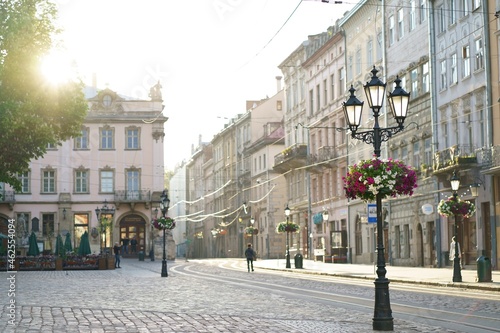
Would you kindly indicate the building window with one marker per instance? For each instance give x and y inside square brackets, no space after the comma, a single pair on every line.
[47,225]
[311,102]
[401,23]
[325,92]
[416,154]
[425,77]
[341,81]
[391,30]
[379,46]
[107,179]
[318,98]
[24,178]
[454,69]
[107,138]
[332,86]
[413,19]
[51,146]
[443,75]
[82,142]
[406,241]
[81,224]
[359,237]
[414,83]
[132,136]
[428,151]
[465,7]
[479,63]
[133,183]
[423,10]
[452,12]
[81,181]
[441,19]
[397,241]
[466,61]
[48,181]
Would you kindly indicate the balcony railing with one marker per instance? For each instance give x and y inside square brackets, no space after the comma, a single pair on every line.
[8,197]
[291,157]
[132,196]
[454,156]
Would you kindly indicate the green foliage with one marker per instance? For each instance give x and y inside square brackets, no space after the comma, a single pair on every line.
[33,113]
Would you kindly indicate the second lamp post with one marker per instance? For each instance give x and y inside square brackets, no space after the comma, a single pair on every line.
[164,204]
[287,213]
[457,273]
[398,102]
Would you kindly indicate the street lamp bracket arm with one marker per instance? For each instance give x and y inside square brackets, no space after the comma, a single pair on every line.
[384,134]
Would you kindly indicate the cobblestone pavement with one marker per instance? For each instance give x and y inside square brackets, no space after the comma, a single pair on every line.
[137,299]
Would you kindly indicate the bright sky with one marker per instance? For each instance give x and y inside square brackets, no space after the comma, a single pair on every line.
[209,55]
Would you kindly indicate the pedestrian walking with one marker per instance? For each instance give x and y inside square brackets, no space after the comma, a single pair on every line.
[117,251]
[250,254]
[452,249]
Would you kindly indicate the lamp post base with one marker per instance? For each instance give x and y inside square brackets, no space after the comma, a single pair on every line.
[457,273]
[288,265]
[164,272]
[382,319]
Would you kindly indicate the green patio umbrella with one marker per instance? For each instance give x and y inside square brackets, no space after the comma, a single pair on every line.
[84,248]
[67,243]
[59,246]
[33,245]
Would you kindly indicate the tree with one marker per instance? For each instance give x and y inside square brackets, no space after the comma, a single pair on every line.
[33,113]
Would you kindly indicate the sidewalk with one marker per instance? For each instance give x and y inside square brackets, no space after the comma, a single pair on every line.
[417,275]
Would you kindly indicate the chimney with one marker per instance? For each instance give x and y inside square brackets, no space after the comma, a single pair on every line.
[278,83]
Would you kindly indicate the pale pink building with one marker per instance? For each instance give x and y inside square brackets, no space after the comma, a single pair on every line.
[117,162]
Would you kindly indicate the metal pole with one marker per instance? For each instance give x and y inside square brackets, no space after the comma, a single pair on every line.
[164,272]
[382,319]
[288,265]
[457,274]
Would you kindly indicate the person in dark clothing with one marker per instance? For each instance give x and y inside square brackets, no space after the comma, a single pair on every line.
[133,245]
[117,250]
[250,254]
[125,242]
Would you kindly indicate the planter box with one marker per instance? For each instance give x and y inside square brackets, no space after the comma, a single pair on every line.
[102,263]
[59,264]
[111,262]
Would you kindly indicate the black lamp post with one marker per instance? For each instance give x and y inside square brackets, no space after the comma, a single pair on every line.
[287,213]
[398,103]
[99,213]
[252,221]
[457,274]
[164,204]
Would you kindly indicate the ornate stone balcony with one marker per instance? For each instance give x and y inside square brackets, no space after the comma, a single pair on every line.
[290,158]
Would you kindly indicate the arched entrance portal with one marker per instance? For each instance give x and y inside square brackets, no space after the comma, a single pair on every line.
[133,226]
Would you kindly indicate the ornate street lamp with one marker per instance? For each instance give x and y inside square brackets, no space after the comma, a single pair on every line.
[398,102]
[457,274]
[287,213]
[164,204]
[103,213]
[325,216]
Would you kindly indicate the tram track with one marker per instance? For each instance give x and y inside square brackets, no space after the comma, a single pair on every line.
[454,319]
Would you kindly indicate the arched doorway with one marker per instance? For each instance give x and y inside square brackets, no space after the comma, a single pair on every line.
[133,226]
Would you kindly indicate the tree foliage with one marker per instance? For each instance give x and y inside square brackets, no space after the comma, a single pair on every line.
[33,112]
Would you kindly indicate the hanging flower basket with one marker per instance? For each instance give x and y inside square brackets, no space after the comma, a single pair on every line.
[251,231]
[287,227]
[163,223]
[455,206]
[387,177]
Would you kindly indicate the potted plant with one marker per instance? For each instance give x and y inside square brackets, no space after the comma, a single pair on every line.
[161,223]
[287,227]
[389,178]
[454,206]
[251,231]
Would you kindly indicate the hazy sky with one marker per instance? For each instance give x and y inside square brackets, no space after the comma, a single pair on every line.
[209,55]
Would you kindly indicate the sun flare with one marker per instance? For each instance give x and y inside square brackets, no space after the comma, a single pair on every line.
[57,68]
